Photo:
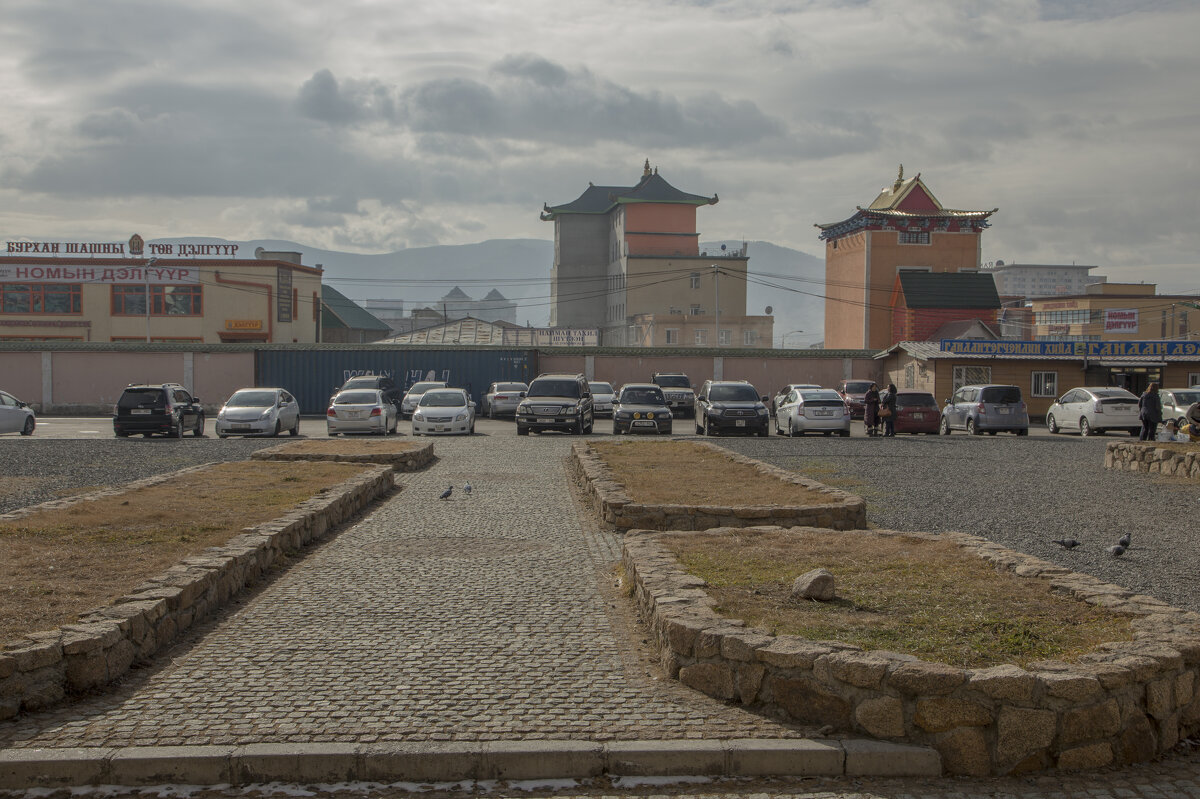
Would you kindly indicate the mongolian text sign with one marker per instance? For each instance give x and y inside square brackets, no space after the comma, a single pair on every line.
[120,250]
[1074,349]
[1120,320]
[154,275]
[550,337]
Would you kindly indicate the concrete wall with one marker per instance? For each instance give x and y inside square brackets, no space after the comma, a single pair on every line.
[581,256]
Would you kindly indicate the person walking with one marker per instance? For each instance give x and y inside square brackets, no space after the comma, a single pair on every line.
[871,410]
[1150,412]
[887,410]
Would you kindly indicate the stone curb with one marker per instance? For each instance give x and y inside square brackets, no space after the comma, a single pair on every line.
[410,460]
[22,769]
[843,511]
[42,668]
[1123,702]
[1148,456]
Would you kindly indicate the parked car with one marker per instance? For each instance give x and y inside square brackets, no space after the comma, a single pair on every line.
[16,416]
[777,400]
[677,388]
[444,411]
[361,410]
[556,402]
[164,408]
[1095,411]
[641,408]
[1176,401]
[985,409]
[258,412]
[391,391]
[731,406]
[916,412]
[812,410]
[413,396]
[602,397]
[853,392]
[502,399]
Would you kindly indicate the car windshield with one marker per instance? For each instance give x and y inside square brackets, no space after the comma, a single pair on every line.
[1001,394]
[915,401]
[511,386]
[858,386]
[732,394]
[357,398]
[1114,392]
[642,396]
[673,381]
[362,382]
[421,388]
[820,394]
[1186,397]
[443,399]
[136,398]
[554,388]
[251,399]
[600,388]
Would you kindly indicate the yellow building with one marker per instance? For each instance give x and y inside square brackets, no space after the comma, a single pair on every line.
[1117,312]
[98,292]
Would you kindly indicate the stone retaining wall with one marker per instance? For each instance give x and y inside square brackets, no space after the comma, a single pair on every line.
[40,669]
[1147,456]
[407,461]
[843,511]
[1124,702]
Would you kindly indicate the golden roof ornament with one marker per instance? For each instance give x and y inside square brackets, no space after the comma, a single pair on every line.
[646,168]
[899,179]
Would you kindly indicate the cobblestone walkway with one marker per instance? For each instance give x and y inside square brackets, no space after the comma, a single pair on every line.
[481,617]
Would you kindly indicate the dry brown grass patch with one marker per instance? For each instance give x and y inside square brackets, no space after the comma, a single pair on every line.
[59,563]
[350,446]
[684,473]
[925,598]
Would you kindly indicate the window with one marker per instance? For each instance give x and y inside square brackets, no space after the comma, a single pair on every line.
[701,337]
[724,337]
[1193,379]
[695,280]
[672,335]
[914,238]
[965,375]
[49,298]
[749,337]
[1045,384]
[164,301]
[909,376]
[696,310]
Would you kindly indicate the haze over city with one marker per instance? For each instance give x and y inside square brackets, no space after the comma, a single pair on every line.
[371,127]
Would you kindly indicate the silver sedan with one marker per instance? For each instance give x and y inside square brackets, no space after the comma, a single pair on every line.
[361,411]
[259,412]
[444,411]
[16,416]
[820,410]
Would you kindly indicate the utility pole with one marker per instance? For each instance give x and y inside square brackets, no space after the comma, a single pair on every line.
[716,305]
[146,276]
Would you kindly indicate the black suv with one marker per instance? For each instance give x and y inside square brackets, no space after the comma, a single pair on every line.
[165,408]
[681,399]
[731,406]
[391,392]
[556,402]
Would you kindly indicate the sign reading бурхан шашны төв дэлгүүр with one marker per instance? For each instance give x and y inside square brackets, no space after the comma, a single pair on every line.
[1074,349]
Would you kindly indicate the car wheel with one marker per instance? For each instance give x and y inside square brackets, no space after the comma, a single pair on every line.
[1024,431]
[1085,428]
[277,430]
[491,412]
[177,430]
[295,431]
[945,427]
[146,435]
[222,435]
[122,434]
[198,430]
[845,433]
[471,429]
[522,431]
[708,431]
[1134,431]
[1051,424]
[992,432]
[27,430]
[972,428]
[764,432]
[616,430]
[828,433]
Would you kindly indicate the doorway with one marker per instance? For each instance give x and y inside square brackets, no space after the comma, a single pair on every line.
[1132,378]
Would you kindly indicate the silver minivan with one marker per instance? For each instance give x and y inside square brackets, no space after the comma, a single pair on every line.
[986,409]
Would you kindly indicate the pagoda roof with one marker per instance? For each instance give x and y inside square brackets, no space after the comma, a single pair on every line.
[652,188]
[495,294]
[456,294]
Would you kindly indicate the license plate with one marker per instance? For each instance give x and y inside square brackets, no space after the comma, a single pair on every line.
[545,421]
[141,411]
[643,423]
[1002,411]
[740,423]
[918,416]
[239,426]
[442,429]
[822,413]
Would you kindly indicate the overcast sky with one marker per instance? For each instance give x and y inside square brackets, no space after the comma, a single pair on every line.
[371,126]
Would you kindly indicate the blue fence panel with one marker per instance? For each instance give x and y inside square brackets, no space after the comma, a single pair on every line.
[313,375]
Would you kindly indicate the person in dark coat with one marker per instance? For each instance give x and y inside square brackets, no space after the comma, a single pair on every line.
[871,410]
[1150,412]
[888,400]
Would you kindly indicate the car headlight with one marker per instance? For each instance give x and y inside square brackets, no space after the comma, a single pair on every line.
[523,408]
[221,413]
[462,417]
[417,417]
[762,411]
[266,414]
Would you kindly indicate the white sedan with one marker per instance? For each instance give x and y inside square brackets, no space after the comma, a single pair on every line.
[817,410]
[361,410]
[16,416]
[1095,410]
[259,412]
[602,398]
[444,411]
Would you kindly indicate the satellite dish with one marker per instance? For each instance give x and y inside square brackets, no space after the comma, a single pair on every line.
[769,309]
[258,253]
[722,248]
[999,262]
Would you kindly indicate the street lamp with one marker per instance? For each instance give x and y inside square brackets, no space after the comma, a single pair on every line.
[146,280]
[783,338]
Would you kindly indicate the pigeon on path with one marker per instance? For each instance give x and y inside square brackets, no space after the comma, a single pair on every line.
[1067,543]
[446,493]
[467,488]
[1124,541]
[1116,550]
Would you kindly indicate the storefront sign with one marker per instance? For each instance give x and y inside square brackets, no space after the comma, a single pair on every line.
[551,337]
[154,275]
[134,247]
[1120,320]
[1060,305]
[283,300]
[1074,349]
[243,324]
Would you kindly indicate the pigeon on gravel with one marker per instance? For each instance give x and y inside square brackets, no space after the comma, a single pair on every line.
[446,493]
[1116,550]
[467,488]
[1124,541]
[1067,543]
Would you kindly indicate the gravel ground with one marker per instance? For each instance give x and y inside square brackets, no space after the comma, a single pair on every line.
[1019,492]
[33,471]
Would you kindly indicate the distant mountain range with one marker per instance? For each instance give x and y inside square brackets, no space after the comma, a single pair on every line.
[791,282]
